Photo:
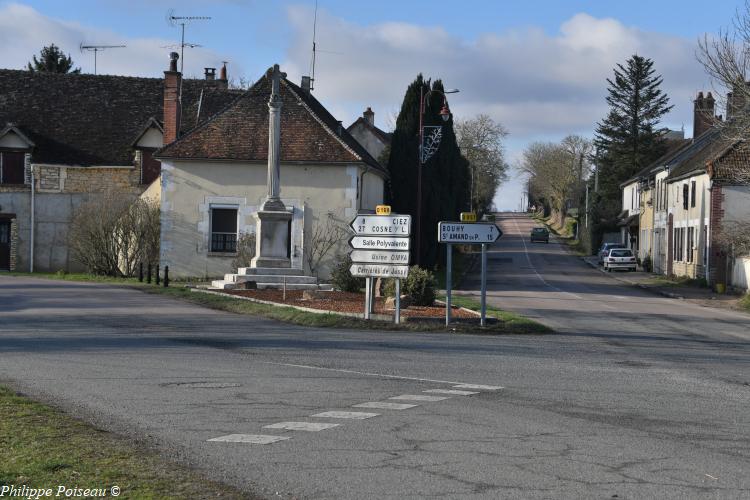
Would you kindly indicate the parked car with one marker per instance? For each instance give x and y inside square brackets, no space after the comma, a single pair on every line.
[604,250]
[540,234]
[620,258]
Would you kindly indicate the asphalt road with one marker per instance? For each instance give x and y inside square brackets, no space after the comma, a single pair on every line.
[637,396]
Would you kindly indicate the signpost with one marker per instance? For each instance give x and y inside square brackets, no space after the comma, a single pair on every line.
[467,233]
[380,249]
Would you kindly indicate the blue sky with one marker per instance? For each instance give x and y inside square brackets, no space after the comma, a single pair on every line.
[536,66]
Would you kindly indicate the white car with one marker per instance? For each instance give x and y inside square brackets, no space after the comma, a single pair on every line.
[619,258]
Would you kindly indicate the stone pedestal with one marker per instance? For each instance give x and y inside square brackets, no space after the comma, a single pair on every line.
[272,239]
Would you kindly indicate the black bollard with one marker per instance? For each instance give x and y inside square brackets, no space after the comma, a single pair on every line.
[157,275]
[140,272]
[148,274]
[166,276]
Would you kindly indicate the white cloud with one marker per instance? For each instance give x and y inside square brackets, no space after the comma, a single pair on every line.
[24,31]
[534,83]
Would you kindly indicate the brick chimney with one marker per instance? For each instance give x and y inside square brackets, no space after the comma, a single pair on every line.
[369,116]
[210,74]
[736,100]
[703,113]
[305,84]
[172,105]
[222,82]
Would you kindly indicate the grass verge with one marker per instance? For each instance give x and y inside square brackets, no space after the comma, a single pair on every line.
[41,447]
[744,302]
[677,281]
[564,233]
[512,323]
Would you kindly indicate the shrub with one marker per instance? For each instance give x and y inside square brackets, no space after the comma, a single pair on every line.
[342,279]
[419,285]
[245,250]
[647,263]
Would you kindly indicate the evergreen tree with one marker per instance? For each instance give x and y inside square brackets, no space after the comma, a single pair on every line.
[445,176]
[52,60]
[629,139]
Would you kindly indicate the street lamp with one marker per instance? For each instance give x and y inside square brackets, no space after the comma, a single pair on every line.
[429,142]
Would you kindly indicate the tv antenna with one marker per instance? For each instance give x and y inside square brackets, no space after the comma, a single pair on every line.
[181,21]
[97,48]
[312,63]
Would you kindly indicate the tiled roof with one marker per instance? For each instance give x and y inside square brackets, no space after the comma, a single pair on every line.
[84,119]
[732,164]
[694,158]
[309,133]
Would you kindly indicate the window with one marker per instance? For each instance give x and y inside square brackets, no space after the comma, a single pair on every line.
[12,168]
[685,196]
[692,194]
[223,230]
[679,244]
[690,242]
[150,168]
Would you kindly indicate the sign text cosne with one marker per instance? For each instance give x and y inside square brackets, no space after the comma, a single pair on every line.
[387,225]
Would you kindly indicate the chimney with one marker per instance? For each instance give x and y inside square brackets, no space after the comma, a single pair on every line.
[305,84]
[736,100]
[210,74]
[703,113]
[339,128]
[172,105]
[369,116]
[222,82]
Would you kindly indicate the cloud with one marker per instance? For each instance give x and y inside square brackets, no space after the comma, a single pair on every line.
[536,84]
[24,31]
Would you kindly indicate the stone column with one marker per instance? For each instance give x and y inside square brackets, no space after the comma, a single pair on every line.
[273,202]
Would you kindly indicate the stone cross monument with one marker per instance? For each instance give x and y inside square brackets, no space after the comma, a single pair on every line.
[272,247]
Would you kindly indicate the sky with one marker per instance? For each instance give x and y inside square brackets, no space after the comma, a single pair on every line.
[539,67]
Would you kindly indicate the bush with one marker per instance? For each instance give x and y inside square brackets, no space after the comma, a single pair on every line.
[646,264]
[419,285]
[342,279]
[245,250]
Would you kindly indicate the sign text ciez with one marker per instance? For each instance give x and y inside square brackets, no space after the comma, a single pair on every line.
[474,233]
[381,225]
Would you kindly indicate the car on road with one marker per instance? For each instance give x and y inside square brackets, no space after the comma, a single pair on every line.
[540,234]
[604,250]
[620,258]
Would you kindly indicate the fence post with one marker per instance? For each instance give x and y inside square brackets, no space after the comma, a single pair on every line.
[157,275]
[166,276]
[140,272]
[148,274]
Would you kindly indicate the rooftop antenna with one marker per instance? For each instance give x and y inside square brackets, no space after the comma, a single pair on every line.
[97,48]
[174,20]
[312,63]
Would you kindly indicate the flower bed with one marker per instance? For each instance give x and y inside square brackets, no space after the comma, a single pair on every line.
[347,302]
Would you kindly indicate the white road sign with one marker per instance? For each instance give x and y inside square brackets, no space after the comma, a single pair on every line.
[386,225]
[379,243]
[468,233]
[380,257]
[383,271]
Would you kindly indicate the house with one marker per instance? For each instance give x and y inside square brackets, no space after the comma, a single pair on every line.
[65,138]
[373,139]
[213,179]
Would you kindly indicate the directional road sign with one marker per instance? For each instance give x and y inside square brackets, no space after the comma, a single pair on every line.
[377,270]
[380,257]
[474,233]
[379,243]
[381,225]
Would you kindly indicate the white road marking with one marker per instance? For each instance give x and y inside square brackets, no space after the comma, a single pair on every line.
[369,374]
[301,426]
[249,438]
[385,406]
[479,387]
[453,392]
[418,397]
[356,415]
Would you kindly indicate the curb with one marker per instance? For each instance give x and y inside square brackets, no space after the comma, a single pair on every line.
[639,285]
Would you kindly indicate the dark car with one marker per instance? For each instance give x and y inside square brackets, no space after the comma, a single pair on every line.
[604,250]
[539,234]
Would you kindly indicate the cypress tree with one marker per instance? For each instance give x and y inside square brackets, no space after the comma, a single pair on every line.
[52,60]
[445,176]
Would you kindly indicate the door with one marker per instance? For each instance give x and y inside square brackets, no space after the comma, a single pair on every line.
[5,245]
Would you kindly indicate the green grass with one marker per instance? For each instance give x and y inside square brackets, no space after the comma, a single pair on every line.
[41,447]
[677,281]
[510,322]
[744,302]
[565,234]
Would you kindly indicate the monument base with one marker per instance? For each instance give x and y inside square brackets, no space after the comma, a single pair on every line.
[272,239]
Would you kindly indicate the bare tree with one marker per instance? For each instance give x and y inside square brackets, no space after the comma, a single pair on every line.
[326,235]
[114,232]
[245,250]
[553,174]
[481,142]
[735,236]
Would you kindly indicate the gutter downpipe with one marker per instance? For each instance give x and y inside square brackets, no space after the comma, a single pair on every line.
[31,236]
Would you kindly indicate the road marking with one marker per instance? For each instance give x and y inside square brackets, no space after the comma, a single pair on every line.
[369,374]
[356,415]
[453,392]
[385,406]
[419,397]
[301,426]
[249,438]
[479,387]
